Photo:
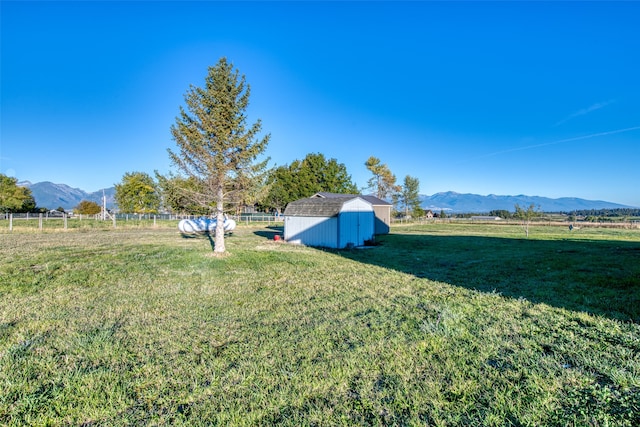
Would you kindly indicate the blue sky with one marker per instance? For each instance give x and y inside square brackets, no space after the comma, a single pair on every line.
[535,98]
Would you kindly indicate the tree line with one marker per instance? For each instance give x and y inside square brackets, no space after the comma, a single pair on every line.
[269,191]
[605,213]
[584,214]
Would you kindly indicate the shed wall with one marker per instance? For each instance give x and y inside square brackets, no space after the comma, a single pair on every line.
[383,219]
[312,231]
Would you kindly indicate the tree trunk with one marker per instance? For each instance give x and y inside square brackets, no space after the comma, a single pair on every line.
[218,247]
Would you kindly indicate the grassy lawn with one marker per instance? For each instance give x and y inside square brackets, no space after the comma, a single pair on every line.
[440,325]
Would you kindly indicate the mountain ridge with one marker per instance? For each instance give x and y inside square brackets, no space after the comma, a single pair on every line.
[453,202]
[50,195]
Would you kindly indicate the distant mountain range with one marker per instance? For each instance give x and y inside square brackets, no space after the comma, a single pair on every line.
[52,196]
[464,203]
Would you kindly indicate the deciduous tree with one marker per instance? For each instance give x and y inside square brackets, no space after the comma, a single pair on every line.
[15,198]
[304,178]
[137,193]
[216,146]
[383,182]
[502,213]
[409,196]
[175,192]
[86,207]
[526,215]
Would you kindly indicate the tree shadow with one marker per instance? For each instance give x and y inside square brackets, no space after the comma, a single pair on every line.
[208,236]
[598,277]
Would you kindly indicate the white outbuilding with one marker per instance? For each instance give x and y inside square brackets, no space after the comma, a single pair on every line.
[336,222]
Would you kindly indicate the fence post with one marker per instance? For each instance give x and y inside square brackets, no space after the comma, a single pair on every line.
[64,216]
[40,221]
[10,222]
[114,220]
[154,221]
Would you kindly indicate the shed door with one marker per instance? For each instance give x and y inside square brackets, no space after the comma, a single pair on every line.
[355,227]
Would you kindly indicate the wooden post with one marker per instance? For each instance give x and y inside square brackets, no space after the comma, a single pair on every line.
[40,221]
[64,216]
[10,222]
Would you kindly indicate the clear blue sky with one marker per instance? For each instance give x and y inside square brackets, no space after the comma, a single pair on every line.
[535,98]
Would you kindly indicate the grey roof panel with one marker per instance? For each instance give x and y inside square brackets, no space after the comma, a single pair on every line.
[317,206]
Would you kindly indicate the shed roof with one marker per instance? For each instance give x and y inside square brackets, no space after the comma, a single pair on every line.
[318,206]
[371,199]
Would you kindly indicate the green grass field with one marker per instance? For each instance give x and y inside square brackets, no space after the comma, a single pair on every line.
[441,325]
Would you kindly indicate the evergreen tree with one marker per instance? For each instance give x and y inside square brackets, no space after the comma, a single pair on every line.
[248,188]
[216,147]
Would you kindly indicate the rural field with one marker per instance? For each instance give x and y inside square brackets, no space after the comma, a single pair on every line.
[438,325]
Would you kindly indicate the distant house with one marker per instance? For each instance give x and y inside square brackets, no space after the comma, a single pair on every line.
[428,214]
[381,208]
[333,222]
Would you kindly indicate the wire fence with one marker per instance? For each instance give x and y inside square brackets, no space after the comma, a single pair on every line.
[62,221]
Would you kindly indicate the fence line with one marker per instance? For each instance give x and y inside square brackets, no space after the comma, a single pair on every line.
[63,221]
[28,220]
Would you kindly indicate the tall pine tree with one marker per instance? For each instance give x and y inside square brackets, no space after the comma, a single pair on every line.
[216,147]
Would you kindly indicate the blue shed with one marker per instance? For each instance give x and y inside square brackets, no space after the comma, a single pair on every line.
[335,222]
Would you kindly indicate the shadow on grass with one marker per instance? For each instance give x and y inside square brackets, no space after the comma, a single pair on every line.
[599,277]
[190,236]
[270,231]
[208,236]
